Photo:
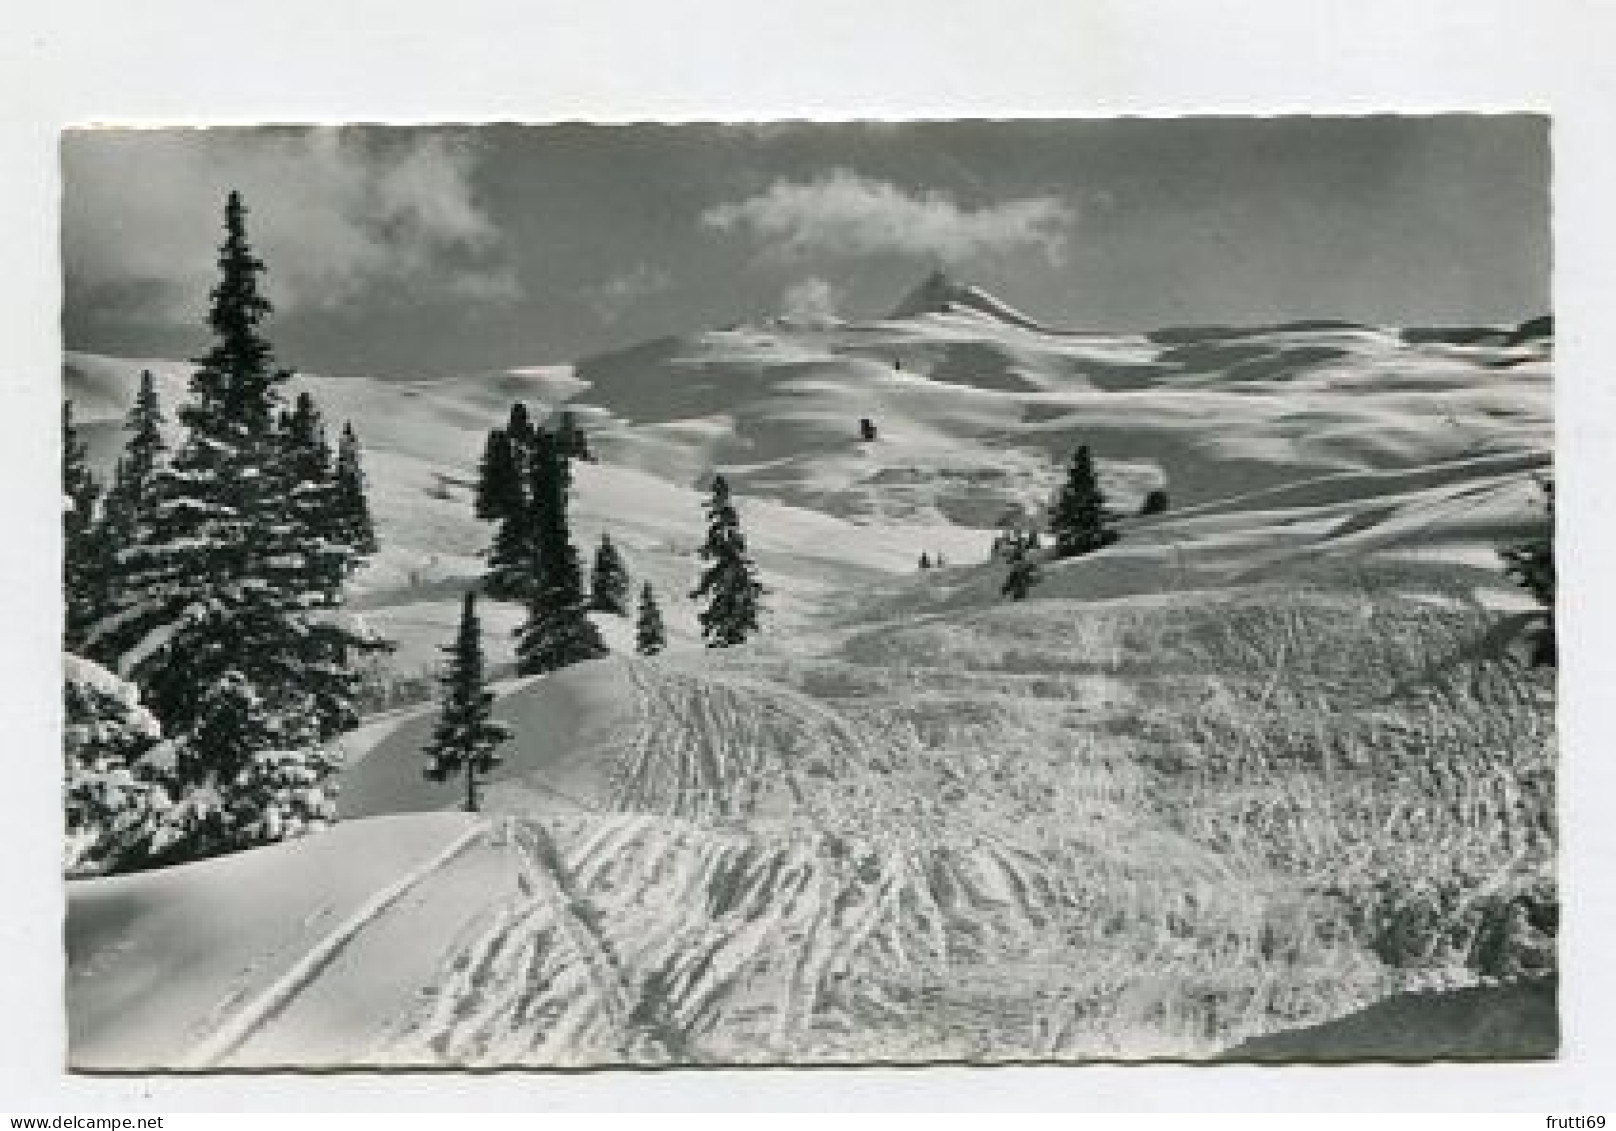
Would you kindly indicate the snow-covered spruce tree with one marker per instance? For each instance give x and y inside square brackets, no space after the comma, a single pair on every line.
[1079,521]
[1024,574]
[465,738]
[83,551]
[608,580]
[500,492]
[114,809]
[557,631]
[650,635]
[250,775]
[1530,565]
[226,598]
[352,506]
[729,582]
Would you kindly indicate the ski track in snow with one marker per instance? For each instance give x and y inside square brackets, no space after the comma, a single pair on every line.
[261,1010]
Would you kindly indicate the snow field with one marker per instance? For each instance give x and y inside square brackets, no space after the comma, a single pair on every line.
[1259,765]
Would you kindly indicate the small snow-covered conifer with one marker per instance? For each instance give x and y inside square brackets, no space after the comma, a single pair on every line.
[608,581]
[729,582]
[1079,521]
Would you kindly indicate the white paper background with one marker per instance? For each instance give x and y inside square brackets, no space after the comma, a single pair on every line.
[163,61]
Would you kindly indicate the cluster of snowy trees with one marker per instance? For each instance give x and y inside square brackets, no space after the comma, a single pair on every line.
[524,485]
[210,663]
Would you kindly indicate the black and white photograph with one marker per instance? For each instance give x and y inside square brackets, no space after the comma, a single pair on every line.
[971,591]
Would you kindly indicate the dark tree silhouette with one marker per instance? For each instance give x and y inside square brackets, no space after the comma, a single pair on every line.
[466,737]
[557,631]
[608,581]
[730,581]
[1080,521]
[1156,502]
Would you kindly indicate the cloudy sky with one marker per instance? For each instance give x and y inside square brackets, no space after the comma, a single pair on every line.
[415,252]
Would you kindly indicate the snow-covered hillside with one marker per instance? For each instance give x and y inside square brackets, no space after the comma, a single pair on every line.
[1168,804]
[1323,428]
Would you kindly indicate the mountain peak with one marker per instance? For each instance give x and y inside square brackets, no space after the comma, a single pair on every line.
[931,296]
[941,293]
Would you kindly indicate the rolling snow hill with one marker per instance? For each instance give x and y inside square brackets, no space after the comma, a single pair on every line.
[1156,809]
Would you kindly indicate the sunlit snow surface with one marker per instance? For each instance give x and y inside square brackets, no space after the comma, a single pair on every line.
[1147,812]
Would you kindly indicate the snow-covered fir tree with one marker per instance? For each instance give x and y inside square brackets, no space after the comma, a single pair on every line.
[83,551]
[558,631]
[129,499]
[1079,521]
[251,775]
[114,808]
[650,635]
[1530,564]
[729,582]
[465,738]
[228,597]
[608,580]
[511,562]
[352,504]
[1155,502]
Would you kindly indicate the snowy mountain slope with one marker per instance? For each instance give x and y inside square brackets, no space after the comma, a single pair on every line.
[158,961]
[976,415]
[957,835]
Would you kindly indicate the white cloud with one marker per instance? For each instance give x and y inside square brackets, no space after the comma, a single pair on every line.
[811,300]
[332,214]
[613,298]
[845,214]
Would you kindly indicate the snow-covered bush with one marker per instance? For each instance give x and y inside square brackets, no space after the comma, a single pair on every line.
[111,745]
[249,777]
[135,799]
